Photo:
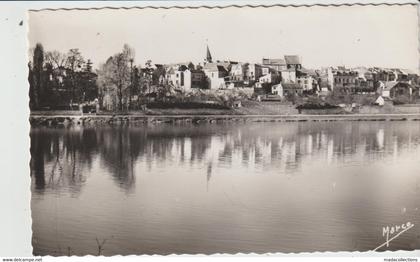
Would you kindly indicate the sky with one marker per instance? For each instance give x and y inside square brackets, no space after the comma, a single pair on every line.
[382,35]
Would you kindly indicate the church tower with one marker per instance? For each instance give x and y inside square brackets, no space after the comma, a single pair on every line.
[208,56]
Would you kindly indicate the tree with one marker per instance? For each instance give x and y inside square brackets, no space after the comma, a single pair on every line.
[135,89]
[56,59]
[58,79]
[86,83]
[148,64]
[88,67]
[36,91]
[128,54]
[31,87]
[114,75]
[147,78]
[75,63]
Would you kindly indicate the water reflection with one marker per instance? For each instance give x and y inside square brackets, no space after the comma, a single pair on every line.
[260,187]
[62,158]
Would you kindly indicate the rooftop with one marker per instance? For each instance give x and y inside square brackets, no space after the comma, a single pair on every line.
[292,59]
[274,61]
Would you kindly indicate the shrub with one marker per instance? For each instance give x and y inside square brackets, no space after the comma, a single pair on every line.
[185,105]
[316,106]
[400,100]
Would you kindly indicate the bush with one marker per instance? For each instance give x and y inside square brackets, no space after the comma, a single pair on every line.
[400,100]
[367,100]
[185,105]
[316,106]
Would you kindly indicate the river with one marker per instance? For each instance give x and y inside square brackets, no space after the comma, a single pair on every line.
[225,188]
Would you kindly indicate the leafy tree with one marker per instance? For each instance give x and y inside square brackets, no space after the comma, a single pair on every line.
[75,63]
[88,67]
[135,86]
[148,64]
[31,87]
[58,79]
[36,91]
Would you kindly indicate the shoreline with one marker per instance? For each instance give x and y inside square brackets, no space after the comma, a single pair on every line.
[122,119]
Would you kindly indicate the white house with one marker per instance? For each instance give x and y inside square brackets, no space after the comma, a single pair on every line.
[216,75]
[385,88]
[277,90]
[237,72]
[306,82]
[288,76]
[380,101]
[271,78]
[186,79]
[253,72]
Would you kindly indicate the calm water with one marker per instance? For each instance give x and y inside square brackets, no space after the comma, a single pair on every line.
[262,187]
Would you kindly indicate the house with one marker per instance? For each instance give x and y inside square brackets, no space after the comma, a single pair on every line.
[393,89]
[380,101]
[323,85]
[288,75]
[293,62]
[383,74]
[198,79]
[365,85]
[305,78]
[270,78]
[237,73]
[385,88]
[291,89]
[347,79]
[252,73]
[265,70]
[406,75]
[184,78]
[216,75]
[277,64]
[277,90]
[325,79]
[402,89]
[307,82]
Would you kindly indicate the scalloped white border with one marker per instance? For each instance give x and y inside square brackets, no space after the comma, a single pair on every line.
[15,219]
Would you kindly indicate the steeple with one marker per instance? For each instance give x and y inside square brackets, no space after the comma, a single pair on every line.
[208,56]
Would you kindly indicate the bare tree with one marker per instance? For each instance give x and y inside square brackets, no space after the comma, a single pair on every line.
[114,75]
[56,59]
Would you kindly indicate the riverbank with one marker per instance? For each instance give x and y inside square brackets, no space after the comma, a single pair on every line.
[87,120]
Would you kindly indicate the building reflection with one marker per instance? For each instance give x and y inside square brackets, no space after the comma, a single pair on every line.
[62,158]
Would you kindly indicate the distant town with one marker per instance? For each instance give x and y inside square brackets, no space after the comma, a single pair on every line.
[67,81]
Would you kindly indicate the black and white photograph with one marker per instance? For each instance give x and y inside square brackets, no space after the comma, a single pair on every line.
[224,129]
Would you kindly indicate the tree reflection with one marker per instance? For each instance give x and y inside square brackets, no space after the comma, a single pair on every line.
[119,153]
[63,158]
